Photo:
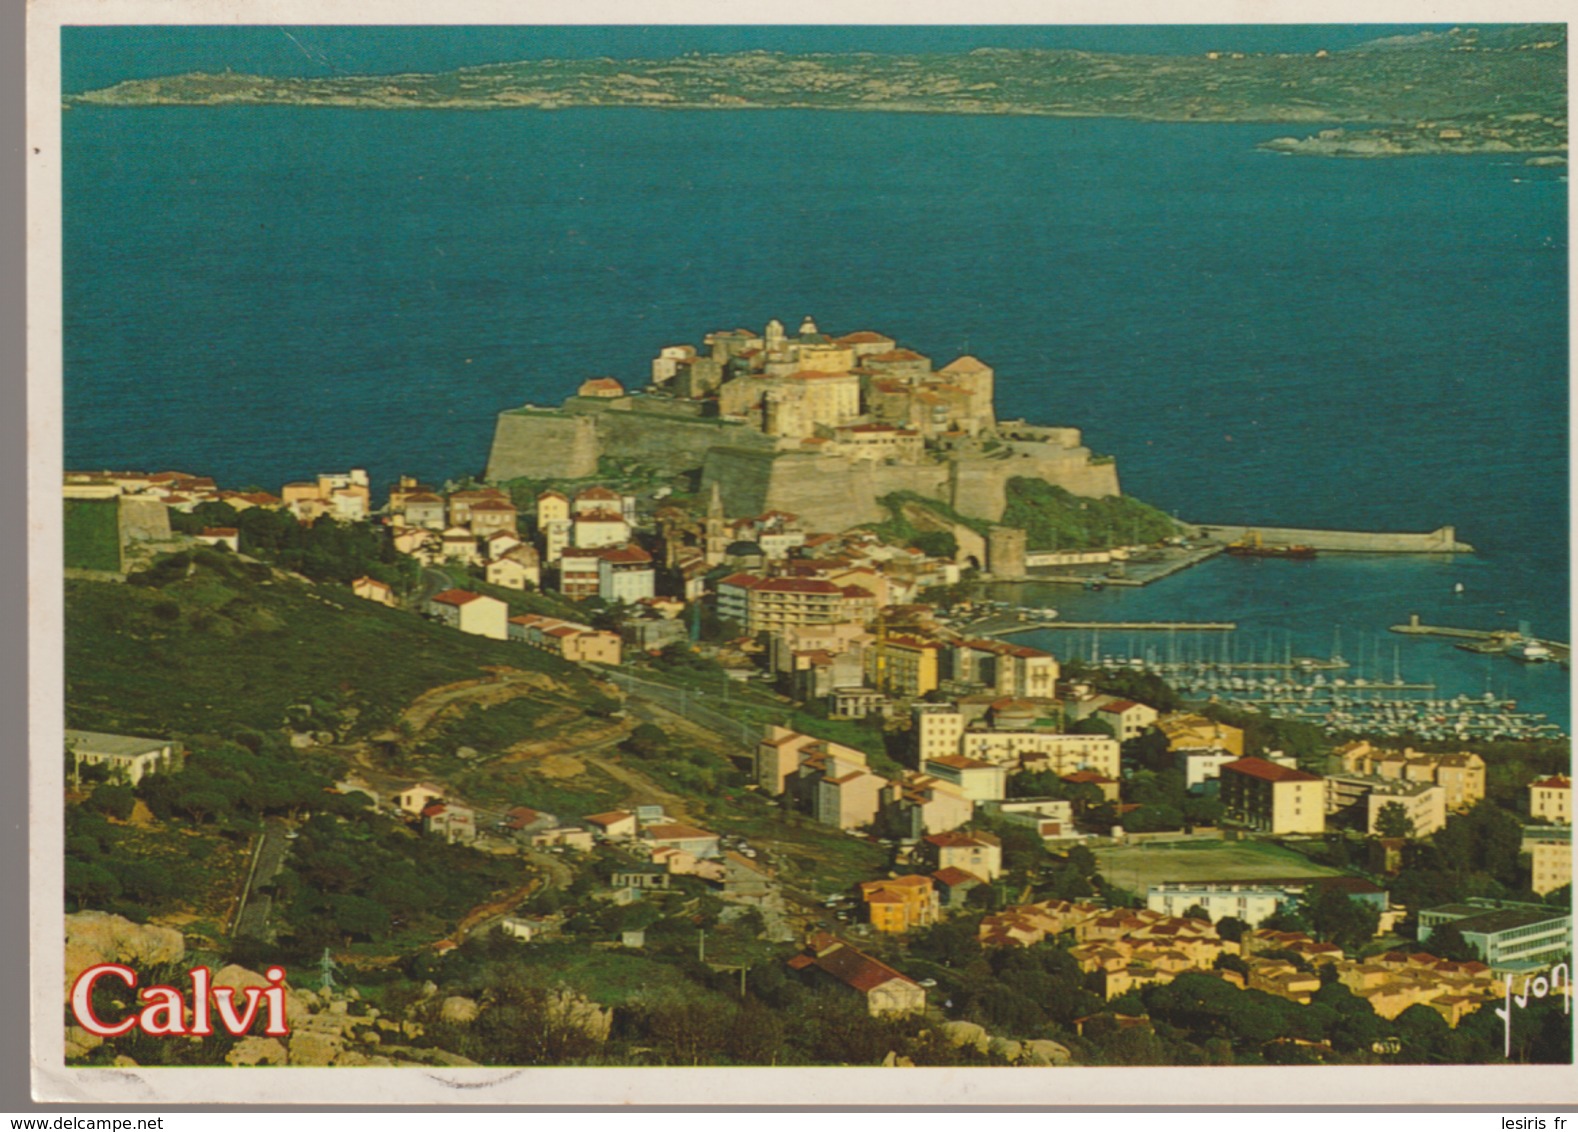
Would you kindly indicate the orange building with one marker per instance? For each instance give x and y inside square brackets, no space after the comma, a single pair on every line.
[900,903]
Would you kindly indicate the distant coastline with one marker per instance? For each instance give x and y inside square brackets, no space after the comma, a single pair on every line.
[1453,93]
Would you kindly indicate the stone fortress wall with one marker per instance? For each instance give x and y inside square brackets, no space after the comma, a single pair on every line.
[813,447]
[755,475]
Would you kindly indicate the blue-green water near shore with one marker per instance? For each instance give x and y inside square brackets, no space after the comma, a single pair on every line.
[262,293]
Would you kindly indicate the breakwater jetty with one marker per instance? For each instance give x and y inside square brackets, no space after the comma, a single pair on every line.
[1115,626]
[1494,640]
[1442,540]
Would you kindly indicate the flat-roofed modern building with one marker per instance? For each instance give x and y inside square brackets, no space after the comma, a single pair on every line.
[129,757]
[1254,900]
[1508,936]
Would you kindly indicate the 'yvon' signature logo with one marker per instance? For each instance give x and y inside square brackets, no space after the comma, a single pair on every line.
[1538,987]
[165,1009]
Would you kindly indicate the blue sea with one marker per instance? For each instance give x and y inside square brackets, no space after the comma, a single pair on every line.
[263,293]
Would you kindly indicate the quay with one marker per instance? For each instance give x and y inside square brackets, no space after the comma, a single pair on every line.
[1116,626]
[1142,570]
[1442,540]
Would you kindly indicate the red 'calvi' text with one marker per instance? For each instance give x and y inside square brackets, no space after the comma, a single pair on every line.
[165,1010]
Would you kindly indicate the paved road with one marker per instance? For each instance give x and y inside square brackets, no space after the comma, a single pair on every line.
[254,920]
[434,581]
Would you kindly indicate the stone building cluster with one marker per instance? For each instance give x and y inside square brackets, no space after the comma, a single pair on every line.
[857,394]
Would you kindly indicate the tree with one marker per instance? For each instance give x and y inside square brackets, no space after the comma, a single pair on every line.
[1226,962]
[1231,928]
[936,544]
[1340,919]
[1090,725]
[113,800]
[983,897]
[1393,821]
[1196,912]
[646,741]
[1448,942]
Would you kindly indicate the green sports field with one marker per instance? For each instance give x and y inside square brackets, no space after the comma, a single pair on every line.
[1135,866]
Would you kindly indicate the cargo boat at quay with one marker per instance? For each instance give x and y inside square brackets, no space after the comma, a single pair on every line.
[1253,546]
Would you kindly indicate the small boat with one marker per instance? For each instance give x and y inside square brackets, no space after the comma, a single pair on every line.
[1530,652]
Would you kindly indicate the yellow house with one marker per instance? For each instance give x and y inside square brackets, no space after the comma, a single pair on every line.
[901,903]
[903,666]
[372,589]
[1190,732]
[1273,798]
[552,507]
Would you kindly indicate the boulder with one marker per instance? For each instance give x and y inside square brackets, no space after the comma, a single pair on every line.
[1006,1048]
[457,1008]
[123,1062]
[99,937]
[80,1042]
[312,1048]
[257,1051]
[961,1034]
[298,1003]
[1043,1052]
[353,1057]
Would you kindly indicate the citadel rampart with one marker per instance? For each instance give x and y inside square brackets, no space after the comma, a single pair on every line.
[568,442]
[756,474]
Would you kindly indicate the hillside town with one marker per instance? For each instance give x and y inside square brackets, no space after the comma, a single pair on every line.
[856,690]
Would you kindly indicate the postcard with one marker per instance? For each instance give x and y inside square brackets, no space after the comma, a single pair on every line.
[667,560]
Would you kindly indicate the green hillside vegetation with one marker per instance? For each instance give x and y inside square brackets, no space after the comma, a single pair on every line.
[92,534]
[206,643]
[1055,519]
[900,530]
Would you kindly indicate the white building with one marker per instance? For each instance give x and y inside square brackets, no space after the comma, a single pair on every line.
[625,574]
[128,757]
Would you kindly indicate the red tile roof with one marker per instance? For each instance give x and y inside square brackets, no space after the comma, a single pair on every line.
[851,967]
[1269,771]
[796,586]
[953,876]
[860,337]
[744,581]
[625,555]
[612,817]
[674,831]
[455,597]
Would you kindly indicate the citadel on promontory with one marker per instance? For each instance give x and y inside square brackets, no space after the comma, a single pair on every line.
[822,427]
